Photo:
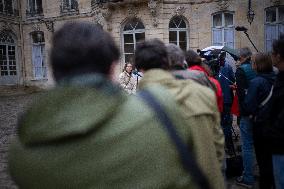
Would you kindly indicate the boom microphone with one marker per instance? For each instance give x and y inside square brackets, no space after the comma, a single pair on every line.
[241,28]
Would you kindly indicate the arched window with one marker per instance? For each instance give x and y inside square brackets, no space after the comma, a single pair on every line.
[178,32]
[223,29]
[38,55]
[274,25]
[8,66]
[133,33]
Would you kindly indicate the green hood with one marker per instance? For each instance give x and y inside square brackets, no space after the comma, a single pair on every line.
[58,115]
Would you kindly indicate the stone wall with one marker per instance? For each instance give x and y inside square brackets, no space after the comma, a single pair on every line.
[155,17]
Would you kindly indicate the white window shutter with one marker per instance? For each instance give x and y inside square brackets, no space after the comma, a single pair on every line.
[37,61]
[281,29]
[217,36]
[271,33]
[229,37]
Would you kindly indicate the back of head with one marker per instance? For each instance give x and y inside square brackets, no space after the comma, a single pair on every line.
[192,58]
[245,52]
[176,57]
[278,46]
[81,47]
[151,54]
[262,63]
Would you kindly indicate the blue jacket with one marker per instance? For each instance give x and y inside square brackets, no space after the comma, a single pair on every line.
[258,91]
[226,78]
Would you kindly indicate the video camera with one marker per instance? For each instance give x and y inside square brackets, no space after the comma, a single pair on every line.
[214,59]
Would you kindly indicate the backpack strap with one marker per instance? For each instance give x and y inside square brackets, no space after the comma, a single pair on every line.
[267,98]
[186,155]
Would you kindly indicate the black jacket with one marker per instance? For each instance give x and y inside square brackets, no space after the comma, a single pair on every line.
[274,133]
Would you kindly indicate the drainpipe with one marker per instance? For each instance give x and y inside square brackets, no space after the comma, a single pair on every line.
[23,45]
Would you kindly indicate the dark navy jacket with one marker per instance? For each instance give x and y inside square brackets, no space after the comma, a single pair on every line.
[226,78]
[258,91]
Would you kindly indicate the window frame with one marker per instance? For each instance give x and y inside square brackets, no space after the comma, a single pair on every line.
[178,30]
[133,32]
[223,27]
[35,11]
[8,60]
[276,23]
[43,67]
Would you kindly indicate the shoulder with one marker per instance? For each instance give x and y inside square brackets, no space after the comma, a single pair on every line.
[196,99]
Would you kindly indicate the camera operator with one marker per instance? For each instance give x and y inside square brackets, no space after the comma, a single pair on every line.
[226,78]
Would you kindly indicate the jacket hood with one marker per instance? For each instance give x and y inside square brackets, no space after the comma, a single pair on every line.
[77,106]
[270,77]
[203,99]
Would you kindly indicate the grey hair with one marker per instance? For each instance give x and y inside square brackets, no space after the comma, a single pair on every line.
[176,56]
[245,52]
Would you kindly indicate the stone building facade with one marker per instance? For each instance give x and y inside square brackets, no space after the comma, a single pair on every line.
[26,28]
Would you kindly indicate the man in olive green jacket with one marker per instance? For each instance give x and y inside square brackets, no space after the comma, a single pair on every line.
[86,133]
[198,105]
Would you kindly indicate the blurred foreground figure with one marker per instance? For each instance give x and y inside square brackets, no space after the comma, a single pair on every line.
[198,105]
[88,133]
[275,132]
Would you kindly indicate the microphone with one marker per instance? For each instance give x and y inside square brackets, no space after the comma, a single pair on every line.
[241,28]
[136,73]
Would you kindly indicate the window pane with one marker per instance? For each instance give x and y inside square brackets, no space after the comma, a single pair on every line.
[271,15]
[139,25]
[140,37]
[217,20]
[129,48]
[217,37]
[229,21]
[281,14]
[173,37]
[182,36]
[182,45]
[1,6]
[182,24]
[128,38]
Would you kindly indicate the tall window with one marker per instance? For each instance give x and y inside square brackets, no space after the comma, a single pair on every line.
[133,33]
[6,7]
[69,5]
[223,29]
[34,8]
[38,55]
[8,65]
[274,25]
[178,32]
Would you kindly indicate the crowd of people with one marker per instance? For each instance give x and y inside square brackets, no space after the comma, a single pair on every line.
[170,128]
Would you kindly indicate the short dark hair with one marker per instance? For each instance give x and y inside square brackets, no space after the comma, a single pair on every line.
[176,57]
[262,63]
[278,46]
[82,47]
[151,54]
[192,58]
